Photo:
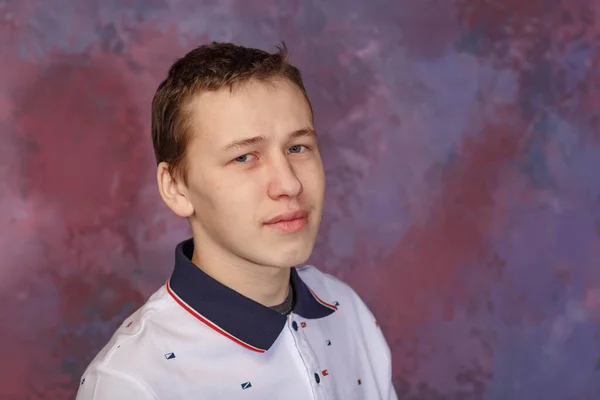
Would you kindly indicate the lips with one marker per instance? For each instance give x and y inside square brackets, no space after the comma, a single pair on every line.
[288,223]
[290,216]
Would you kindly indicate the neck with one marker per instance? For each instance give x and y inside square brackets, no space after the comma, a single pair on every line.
[266,285]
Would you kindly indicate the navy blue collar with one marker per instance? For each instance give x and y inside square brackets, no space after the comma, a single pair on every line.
[233,315]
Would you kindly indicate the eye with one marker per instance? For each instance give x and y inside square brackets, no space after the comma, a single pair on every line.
[299,148]
[243,159]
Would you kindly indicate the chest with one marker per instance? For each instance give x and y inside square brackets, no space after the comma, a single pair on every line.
[311,359]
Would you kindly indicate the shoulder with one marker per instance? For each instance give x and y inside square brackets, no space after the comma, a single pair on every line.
[125,351]
[350,306]
[315,278]
[327,285]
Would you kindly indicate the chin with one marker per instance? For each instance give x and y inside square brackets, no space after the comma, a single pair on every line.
[290,257]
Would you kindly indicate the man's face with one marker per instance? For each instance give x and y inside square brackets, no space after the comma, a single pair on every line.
[275,168]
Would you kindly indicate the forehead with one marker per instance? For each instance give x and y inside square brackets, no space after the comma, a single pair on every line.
[272,109]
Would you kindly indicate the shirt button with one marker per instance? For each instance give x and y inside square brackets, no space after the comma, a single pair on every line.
[317,378]
[295,325]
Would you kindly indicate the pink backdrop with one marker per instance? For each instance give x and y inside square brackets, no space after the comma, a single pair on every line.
[462,149]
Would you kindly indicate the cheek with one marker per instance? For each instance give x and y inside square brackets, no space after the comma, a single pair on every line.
[230,196]
[205,192]
[313,179]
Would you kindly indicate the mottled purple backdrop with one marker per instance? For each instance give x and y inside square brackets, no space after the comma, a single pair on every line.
[462,147]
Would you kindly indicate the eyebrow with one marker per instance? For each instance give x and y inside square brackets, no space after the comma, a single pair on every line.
[244,143]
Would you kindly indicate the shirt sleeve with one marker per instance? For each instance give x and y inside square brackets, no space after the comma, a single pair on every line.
[104,383]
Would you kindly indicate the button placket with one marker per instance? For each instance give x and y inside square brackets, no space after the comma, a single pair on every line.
[306,359]
[320,388]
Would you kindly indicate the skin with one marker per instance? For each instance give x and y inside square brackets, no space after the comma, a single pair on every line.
[231,193]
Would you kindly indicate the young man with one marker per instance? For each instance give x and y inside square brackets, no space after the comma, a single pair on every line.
[237,154]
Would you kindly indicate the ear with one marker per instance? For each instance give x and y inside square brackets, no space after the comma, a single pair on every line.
[173,192]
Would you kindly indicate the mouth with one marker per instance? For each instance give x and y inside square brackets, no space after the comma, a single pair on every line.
[289,222]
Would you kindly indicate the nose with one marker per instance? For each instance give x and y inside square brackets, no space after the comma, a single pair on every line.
[283,180]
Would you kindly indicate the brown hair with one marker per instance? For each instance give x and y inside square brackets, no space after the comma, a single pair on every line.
[207,68]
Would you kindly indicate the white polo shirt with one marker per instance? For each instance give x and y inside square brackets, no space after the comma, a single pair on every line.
[197,339]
